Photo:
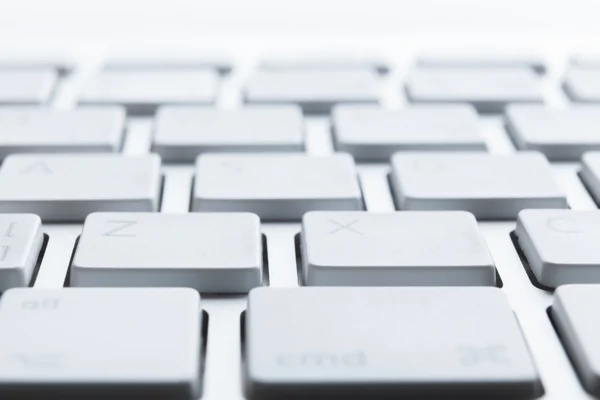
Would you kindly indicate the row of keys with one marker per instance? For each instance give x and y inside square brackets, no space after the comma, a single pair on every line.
[225,252]
[478,347]
[142,91]
[368,133]
[284,186]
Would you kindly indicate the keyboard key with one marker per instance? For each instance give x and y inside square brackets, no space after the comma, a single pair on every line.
[490,187]
[585,60]
[394,249]
[280,186]
[218,253]
[182,133]
[561,134]
[142,91]
[68,187]
[374,134]
[561,245]
[330,60]
[590,173]
[100,343]
[26,87]
[582,85]
[10,60]
[385,343]
[482,59]
[489,90]
[21,239]
[577,321]
[166,59]
[315,91]
[45,130]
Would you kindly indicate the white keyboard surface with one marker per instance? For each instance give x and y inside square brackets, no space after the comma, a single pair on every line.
[188,220]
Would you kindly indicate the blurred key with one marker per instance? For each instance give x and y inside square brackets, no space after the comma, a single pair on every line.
[142,91]
[217,252]
[316,91]
[281,186]
[385,343]
[482,59]
[334,60]
[68,187]
[21,239]
[585,60]
[374,134]
[104,343]
[23,87]
[590,173]
[45,130]
[561,246]
[182,133]
[166,59]
[577,320]
[38,60]
[345,248]
[489,186]
[582,85]
[489,90]
[561,134]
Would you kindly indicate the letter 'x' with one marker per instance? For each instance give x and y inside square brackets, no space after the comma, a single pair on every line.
[344,227]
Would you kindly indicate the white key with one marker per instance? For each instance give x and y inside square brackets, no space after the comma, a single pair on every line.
[582,84]
[385,343]
[489,186]
[68,187]
[482,59]
[34,87]
[45,130]
[374,134]
[585,60]
[165,59]
[216,252]
[315,91]
[21,239]
[100,343]
[561,134]
[141,92]
[489,90]
[40,60]
[394,249]
[561,246]
[182,133]
[332,60]
[280,186]
[576,318]
[590,173]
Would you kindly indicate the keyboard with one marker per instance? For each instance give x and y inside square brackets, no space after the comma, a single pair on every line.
[225,225]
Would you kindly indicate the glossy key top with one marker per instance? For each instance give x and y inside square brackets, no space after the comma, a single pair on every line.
[385,343]
[101,343]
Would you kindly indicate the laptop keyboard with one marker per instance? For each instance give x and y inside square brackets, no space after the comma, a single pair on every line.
[190,226]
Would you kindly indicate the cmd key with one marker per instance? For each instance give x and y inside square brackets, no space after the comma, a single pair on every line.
[492,187]
[68,344]
[277,186]
[68,187]
[385,343]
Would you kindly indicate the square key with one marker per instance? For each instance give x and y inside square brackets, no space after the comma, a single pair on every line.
[394,249]
[141,92]
[46,130]
[21,240]
[68,187]
[316,91]
[560,134]
[561,246]
[276,187]
[29,87]
[491,187]
[97,344]
[385,343]
[182,133]
[489,90]
[373,134]
[216,252]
